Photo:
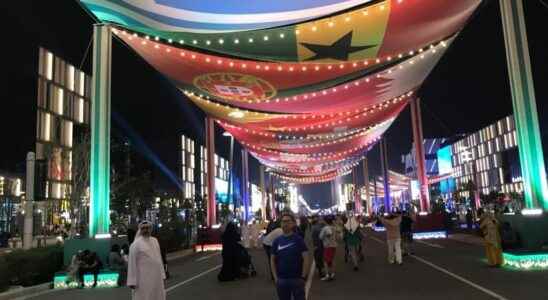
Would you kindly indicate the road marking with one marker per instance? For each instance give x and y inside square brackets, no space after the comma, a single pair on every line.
[207,256]
[377,239]
[171,288]
[309,279]
[462,279]
[485,290]
[430,244]
[37,294]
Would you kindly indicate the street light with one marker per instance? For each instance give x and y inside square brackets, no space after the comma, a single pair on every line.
[230,160]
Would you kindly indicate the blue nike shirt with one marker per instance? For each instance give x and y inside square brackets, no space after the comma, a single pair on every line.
[289,256]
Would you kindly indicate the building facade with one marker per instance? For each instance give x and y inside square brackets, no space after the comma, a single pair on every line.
[11,197]
[63,109]
[188,167]
[431,147]
[489,158]
[193,174]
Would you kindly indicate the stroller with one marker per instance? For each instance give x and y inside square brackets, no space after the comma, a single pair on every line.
[247,269]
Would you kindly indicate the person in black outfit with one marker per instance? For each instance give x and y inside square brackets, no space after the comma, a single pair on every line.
[469,219]
[317,226]
[303,226]
[163,252]
[406,233]
[230,253]
[91,264]
[130,235]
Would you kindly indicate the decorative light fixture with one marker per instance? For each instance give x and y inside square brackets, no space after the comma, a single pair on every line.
[236,114]
[538,261]
[430,235]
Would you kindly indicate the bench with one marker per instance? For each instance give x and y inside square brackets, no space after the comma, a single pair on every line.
[105,279]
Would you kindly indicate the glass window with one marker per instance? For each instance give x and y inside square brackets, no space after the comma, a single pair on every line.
[80,112]
[70,77]
[59,103]
[67,133]
[46,126]
[82,84]
[49,65]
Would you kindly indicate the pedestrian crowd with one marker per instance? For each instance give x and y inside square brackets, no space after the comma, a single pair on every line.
[290,244]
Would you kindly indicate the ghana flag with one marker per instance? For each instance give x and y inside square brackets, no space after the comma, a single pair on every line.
[370,30]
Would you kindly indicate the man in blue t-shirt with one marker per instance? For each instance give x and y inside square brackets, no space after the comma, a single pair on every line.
[290,261]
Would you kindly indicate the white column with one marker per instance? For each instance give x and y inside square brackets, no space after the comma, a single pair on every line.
[29,203]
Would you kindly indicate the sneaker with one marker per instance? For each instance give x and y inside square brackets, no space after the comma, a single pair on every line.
[326,278]
[331,276]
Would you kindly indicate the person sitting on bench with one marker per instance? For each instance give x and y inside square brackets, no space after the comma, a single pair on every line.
[117,263]
[91,264]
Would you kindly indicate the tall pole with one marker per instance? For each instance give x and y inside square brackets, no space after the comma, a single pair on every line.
[272,200]
[99,212]
[366,184]
[29,202]
[230,167]
[531,157]
[418,138]
[210,148]
[263,192]
[357,196]
[375,189]
[386,177]
[245,185]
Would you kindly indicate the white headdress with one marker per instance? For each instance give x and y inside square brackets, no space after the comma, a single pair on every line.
[141,225]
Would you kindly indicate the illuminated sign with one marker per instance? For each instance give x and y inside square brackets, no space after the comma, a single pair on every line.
[221,190]
[415,189]
[444,160]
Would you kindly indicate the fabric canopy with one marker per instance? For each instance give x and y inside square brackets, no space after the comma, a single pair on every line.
[375,29]
[308,87]
[213,15]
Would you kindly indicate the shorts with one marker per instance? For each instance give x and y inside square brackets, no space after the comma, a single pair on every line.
[329,255]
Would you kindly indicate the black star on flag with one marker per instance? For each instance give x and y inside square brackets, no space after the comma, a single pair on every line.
[339,50]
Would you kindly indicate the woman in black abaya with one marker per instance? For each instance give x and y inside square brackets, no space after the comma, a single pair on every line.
[231,255]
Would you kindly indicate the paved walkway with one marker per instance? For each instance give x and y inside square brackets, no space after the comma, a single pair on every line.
[440,269]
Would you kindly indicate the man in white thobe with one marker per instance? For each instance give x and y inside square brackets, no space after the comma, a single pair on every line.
[145,267]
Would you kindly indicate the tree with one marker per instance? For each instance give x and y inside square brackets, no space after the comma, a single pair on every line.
[81,157]
[225,212]
[517,201]
[200,210]
[492,198]
[131,196]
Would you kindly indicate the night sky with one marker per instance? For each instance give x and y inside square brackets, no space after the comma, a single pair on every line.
[467,90]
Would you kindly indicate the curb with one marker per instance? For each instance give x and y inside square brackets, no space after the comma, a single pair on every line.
[26,291]
[38,289]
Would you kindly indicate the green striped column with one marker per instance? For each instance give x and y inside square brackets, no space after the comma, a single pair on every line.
[525,108]
[99,210]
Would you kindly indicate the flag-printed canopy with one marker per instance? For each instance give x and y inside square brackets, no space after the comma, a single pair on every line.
[307,93]
[213,15]
[374,29]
